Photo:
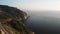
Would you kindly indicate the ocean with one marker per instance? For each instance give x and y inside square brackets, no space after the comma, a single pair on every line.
[44,22]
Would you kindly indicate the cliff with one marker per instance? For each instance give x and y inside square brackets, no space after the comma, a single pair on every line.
[12,20]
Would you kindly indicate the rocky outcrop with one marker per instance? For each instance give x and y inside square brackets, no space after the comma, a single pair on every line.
[31,33]
[1,31]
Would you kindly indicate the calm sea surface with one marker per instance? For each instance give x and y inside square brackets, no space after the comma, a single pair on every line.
[44,22]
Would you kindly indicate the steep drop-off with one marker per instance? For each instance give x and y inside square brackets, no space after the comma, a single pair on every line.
[12,19]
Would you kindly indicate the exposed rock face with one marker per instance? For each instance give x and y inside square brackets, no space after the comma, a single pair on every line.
[31,33]
[1,32]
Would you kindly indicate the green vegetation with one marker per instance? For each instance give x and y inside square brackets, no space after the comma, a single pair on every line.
[18,25]
[15,14]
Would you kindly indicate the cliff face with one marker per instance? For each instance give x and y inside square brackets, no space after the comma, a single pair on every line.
[16,18]
[14,12]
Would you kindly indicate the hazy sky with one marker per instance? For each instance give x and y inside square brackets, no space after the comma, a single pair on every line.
[33,4]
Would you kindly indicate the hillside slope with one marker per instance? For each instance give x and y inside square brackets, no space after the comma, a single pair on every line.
[12,19]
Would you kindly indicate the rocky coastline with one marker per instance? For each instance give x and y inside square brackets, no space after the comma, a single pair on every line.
[16,24]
